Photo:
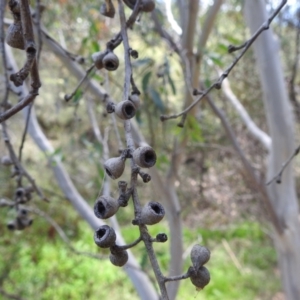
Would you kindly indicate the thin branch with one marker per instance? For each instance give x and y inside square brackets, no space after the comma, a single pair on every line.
[278,176]
[248,168]
[25,132]
[130,144]
[19,106]
[218,83]
[254,130]
[18,165]
[68,97]
[178,277]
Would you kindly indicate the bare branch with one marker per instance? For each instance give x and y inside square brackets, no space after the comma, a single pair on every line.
[278,176]
[256,132]
[218,83]
[250,172]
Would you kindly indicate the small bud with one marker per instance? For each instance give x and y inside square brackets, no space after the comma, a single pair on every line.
[110,61]
[146,177]
[144,156]
[110,107]
[135,99]
[134,54]
[199,256]
[119,258]
[114,167]
[199,278]
[6,161]
[125,110]
[105,236]
[97,58]
[105,207]
[161,237]
[148,5]
[152,213]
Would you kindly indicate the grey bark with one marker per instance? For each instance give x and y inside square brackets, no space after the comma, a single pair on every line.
[281,128]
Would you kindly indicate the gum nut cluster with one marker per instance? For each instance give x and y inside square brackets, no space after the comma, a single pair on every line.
[21,221]
[105,237]
[144,157]
[200,276]
[106,59]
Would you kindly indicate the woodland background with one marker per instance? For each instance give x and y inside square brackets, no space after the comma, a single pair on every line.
[219,208]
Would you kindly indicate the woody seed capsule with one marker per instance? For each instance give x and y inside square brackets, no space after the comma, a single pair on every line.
[144,156]
[105,207]
[152,213]
[114,167]
[105,236]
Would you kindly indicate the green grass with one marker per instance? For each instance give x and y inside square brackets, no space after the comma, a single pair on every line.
[37,265]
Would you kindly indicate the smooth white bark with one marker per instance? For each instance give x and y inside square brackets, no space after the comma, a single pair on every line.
[281,126]
[254,130]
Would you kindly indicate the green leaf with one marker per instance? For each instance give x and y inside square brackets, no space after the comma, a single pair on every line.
[172,84]
[77,96]
[145,81]
[194,129]
[154,95]
[142,62]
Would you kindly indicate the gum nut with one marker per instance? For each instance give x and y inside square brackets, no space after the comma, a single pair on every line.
[114,167]
[135,99]
[148,5]
[200,278]
[119,258]
[152,213]
[105,236]
[105,207]
[6,161]
[144,156]
[110,61]
[199,256]
[14,36]
[11,225]
[22,213]
[98,58]
[125,110]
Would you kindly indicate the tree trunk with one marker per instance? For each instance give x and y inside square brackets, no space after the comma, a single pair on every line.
[281,126]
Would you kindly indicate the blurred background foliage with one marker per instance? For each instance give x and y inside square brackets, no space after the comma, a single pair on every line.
[219,209]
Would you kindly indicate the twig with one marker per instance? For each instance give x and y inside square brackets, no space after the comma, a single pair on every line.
[18,165]
[178,277]
[20,105]
[218,83]
[130,144]
[248,167]
[278,176]
[68,97]
[25,132]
